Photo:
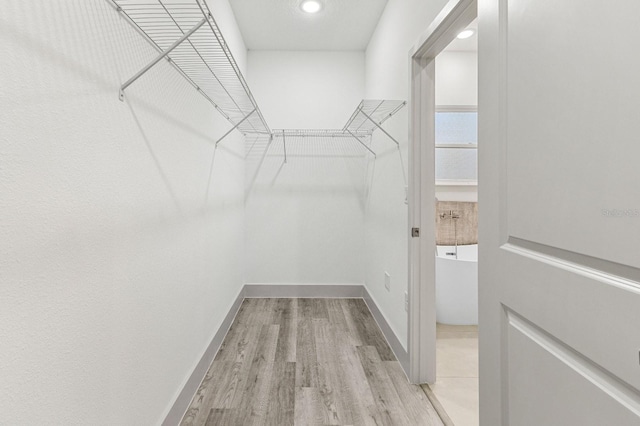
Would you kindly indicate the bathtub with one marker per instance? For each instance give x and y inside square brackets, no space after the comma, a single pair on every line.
[457,285]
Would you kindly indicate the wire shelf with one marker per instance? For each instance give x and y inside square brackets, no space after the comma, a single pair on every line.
[318,133]
[185,32]
[362,137]
[370,114]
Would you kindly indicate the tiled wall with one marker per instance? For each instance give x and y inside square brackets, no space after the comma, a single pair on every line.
[463,230]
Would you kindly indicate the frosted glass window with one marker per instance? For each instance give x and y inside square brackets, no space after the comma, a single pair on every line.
[456,127]
[453,163]
[456,164]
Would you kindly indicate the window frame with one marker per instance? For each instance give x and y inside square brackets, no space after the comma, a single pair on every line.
[456,182]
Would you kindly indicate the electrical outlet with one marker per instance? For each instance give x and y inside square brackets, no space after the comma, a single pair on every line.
[387,281]
[406,301]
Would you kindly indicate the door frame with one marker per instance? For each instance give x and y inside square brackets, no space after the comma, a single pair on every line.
[454,17]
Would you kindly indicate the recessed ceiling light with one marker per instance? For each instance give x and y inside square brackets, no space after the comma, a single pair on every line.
[311,6]
[466,34]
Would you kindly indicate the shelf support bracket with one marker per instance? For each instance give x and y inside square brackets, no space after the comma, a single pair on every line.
[160,57]
[235,127]
[379,127]
[284,143]
[362,143]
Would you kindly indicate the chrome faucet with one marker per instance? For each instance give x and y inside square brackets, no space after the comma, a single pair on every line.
[450,215]
[454,216]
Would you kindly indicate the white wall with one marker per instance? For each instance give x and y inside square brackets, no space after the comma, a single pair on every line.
[305,219]
[457,78]
[306,89]
[387,77]
[119,256]
[457,84]
[457,193]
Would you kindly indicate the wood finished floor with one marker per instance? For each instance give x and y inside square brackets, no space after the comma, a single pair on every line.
[307,362]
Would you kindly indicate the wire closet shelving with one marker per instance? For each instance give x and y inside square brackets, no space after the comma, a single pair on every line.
[370,115]
[185,34]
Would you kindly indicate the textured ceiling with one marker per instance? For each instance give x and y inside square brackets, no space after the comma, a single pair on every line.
[282,25]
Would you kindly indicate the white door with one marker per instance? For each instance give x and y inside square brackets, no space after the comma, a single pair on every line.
[559,129]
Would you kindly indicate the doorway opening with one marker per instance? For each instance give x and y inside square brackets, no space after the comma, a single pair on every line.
[456,236]
[443,332]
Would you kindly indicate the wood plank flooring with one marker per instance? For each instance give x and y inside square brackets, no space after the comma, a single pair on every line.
[307,362]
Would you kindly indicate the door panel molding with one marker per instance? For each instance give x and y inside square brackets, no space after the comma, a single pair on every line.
[571,126]
[559,286]
[607,272]
[619,390]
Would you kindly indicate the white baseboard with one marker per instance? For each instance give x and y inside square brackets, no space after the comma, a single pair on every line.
[303,290]
[253,290]
[190,388]
[396,346]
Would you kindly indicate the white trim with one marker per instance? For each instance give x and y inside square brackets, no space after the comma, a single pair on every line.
[255,290]
[456,108]
[455,16]
[183,400]
[392,339]
[422,321]
[617,389]
[441,183]
[457,145]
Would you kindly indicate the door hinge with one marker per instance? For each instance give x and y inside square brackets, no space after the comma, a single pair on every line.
[415,232]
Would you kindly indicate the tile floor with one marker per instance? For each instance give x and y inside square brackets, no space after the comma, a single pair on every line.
[457,373]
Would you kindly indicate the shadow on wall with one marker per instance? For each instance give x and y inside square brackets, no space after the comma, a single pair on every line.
[314,165]
[108,239]
[104,37]
[152,114]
